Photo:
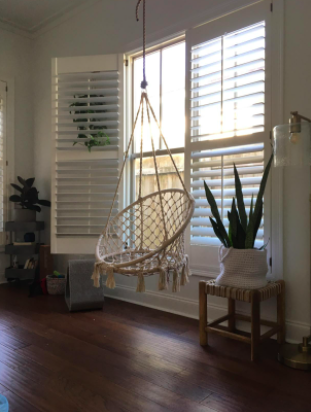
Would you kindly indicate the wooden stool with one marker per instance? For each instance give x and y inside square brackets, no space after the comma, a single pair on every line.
[254,297]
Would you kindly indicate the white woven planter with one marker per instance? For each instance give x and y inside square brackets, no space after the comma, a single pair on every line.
[242,268]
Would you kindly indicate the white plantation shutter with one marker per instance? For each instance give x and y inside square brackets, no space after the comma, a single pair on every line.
[215,168]
[2,156]
[228,85]
[228,98]
[87,97]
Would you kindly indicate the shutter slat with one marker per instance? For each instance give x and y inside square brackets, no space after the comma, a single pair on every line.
[89,123]
[248,33]
[73,85]
[215,172]
[103,99]
[108,115]
[96,149]
[201,221]
[226,182]
[82,140]
[108,108]
[87,76]
[85,132]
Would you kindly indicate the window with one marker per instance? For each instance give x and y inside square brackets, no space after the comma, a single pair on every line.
[228,103]
[87,100]
[166,75]
[2,157]
[213,89]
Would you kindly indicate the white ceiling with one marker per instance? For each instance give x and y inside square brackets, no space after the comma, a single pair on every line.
[32,15]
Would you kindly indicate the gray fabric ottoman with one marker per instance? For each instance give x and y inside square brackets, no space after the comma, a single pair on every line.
[80,292]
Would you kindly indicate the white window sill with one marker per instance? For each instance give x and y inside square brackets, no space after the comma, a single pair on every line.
[211,272]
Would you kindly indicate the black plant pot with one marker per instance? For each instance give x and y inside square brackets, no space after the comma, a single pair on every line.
[24,215]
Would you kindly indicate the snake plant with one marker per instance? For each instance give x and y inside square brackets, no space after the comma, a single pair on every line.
[242,229]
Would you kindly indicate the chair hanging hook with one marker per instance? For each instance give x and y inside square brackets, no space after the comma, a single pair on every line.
[144,83]
[137,8]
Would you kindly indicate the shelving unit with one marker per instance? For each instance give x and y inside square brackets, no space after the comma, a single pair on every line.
[27,250]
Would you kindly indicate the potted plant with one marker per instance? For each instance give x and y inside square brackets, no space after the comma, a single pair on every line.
[28,200]
[99,137]
[241,264]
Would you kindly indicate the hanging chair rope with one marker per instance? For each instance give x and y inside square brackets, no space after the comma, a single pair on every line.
[144,83]
[146,238]
[123,166]
[167,148]
[144,100]
[158,244]
[157,173]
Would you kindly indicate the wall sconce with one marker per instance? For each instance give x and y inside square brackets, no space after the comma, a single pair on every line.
[292,147]
[292,142]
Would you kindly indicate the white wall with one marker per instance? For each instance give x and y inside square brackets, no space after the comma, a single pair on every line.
[16,65]
[109,27]
[297,88]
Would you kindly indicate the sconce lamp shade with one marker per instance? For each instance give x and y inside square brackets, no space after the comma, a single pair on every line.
[292,145]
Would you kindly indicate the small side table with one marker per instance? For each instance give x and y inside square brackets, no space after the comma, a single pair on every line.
[254,297]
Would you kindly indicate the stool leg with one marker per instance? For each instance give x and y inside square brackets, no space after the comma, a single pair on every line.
[255,318]
[281,313]
[203,313]
[231,312]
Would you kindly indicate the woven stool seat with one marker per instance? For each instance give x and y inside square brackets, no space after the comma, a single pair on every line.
[244,295]
[252,296]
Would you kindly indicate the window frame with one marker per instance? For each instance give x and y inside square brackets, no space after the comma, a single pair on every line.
[4,87]
[9,156]
[227,24]
[277,111]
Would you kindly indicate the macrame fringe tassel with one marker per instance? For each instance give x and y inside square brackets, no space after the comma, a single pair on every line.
[96,275]
[140,284]
[185,272]
[176,282]
[184,276]
[110,282]
[163,285]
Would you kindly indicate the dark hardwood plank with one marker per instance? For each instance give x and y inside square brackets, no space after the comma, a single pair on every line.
[128,358]
[17,404]
[9,342]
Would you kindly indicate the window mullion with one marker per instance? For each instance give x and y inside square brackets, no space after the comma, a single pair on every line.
[222,188]
[222,86]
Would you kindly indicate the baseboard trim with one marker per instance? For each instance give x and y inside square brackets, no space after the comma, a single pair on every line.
[180,305]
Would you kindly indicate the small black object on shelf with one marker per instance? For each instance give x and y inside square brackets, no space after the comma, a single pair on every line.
[29,237]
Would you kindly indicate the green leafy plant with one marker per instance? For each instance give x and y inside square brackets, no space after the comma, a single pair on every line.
[98,138]
[28,197]
[242,230]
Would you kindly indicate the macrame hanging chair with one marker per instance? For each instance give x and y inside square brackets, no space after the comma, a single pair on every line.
[147,237]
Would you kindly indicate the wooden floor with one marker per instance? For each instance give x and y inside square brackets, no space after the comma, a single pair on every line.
[129,358]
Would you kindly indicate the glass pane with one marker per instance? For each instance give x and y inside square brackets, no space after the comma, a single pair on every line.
[167,174]
[153,79]
[173,95]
